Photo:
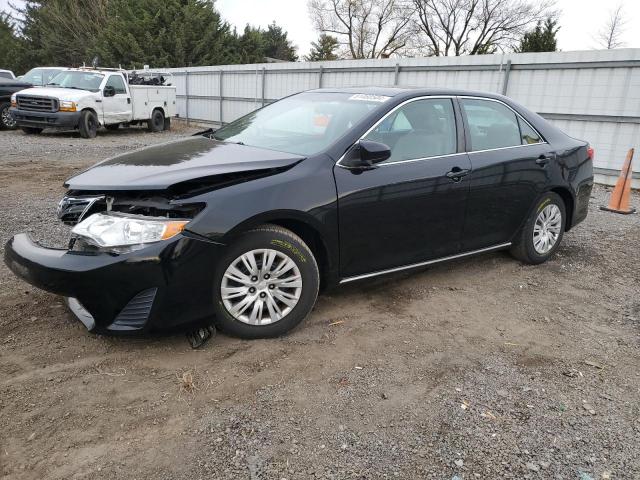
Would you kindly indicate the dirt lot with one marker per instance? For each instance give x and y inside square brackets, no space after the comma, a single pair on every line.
[483,368]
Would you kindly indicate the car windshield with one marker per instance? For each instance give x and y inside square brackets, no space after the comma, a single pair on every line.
[79,80]
[302,124]
[40,76]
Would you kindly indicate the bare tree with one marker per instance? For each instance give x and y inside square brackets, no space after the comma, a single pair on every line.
[473,27]
[365,28]
[609,36]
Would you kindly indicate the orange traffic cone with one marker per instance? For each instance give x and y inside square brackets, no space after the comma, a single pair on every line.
[619,201]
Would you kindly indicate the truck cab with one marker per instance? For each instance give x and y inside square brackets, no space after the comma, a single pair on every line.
[85,99]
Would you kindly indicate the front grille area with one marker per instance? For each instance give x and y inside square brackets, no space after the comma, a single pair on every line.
[135,315]
[37,104]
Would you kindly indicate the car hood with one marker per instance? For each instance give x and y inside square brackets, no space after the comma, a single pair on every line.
[59,93]
[161,166]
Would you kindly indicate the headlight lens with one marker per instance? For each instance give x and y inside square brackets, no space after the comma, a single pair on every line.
[67,106]
[14,102]
[109,230]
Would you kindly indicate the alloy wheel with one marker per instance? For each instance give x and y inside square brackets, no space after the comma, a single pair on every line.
[546,230]
[261,287]
[7,119]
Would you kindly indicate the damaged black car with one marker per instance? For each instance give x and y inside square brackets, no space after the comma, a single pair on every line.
[241,227]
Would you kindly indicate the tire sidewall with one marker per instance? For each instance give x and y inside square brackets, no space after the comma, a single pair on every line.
[85,130]
[156,126]
[546,199]
[304,260]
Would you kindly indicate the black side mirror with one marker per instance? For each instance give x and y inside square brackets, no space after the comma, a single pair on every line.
[366,154]
[109,91]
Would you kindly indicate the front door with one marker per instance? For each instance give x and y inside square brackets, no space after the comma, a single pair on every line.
[117,108]
[411,207]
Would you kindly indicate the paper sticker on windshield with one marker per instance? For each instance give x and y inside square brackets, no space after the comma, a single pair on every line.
[364,97]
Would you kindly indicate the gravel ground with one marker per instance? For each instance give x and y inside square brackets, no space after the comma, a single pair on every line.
[483,368]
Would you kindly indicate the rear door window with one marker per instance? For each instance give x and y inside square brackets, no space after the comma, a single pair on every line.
[491,124]
[528,134]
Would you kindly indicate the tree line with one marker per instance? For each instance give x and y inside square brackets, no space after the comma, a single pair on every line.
[160,33]
[174,33]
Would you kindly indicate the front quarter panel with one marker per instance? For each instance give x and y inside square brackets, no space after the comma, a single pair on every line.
[304,193]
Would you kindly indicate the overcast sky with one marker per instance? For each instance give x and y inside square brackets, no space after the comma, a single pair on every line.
[579,20]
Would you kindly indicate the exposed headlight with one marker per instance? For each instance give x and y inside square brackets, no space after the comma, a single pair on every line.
[109,230]
[67,106]
[14,102]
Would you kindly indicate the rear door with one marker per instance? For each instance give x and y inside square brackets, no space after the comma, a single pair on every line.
[509,161]
[411,207]
[116,109]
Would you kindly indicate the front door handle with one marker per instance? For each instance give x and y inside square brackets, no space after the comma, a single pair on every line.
[542,160]
[457,173]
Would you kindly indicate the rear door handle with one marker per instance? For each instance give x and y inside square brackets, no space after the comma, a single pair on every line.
[457,173]
[542,160]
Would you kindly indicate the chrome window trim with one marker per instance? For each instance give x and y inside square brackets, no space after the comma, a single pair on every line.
[467,151]
[471,97]
[375,125]
[423,264]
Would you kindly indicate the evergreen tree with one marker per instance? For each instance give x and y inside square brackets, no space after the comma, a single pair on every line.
[540,39]
[277,45]
[250,46]
[9,43]
[324,49]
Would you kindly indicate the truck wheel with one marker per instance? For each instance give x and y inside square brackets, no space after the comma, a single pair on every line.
[113,127]
[156,122]
[31,130]
[6,120]
[88,124]
[167,123]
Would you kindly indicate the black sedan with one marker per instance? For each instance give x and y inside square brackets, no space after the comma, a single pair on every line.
[244,225]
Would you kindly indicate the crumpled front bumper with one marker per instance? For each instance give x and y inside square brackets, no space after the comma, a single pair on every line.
[163,285]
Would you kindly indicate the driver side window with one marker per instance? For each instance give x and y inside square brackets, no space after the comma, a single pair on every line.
[117,83]
[419,129]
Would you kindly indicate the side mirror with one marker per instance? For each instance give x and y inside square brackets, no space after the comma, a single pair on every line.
[109,91]
[366,154]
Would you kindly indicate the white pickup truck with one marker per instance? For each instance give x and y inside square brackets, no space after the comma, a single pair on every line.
[86,98]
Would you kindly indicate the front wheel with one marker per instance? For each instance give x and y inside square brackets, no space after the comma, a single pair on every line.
[6,120]
[266,284]
[542,233]
[88,125]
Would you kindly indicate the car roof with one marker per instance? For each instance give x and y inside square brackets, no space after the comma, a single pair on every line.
[408,91]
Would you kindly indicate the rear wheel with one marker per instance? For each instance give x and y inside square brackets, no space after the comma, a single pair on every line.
[88,125]
[6,120]
[266,284]
[156,122]
[31,130]
[542,233]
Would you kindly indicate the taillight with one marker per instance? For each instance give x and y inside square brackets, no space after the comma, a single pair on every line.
[590,152]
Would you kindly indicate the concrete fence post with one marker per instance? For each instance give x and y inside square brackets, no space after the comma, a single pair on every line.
[320,72]
[396,74]
[264,78]
[220,94]
[505,82]
[186,94]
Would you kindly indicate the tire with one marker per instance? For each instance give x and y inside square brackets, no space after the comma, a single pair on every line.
[525,249]
[88,124]
[156,122]
[31,130]
[6,120]
[282,246]
[113,127]
[167,123]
